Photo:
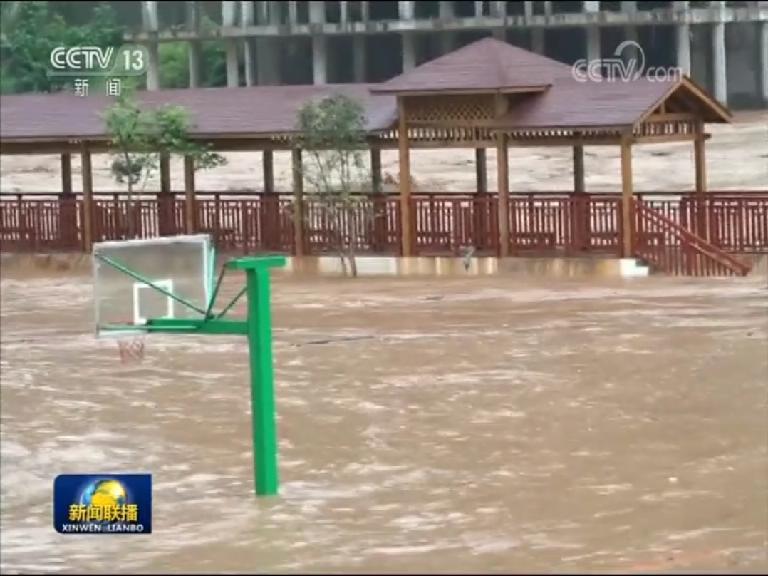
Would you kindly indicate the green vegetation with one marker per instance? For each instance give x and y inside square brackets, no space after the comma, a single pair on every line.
[138,137]
[333,138]
[30,30]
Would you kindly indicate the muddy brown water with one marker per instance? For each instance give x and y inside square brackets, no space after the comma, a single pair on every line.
[434,425]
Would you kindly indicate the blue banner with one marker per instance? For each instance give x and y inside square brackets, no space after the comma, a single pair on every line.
[102,503]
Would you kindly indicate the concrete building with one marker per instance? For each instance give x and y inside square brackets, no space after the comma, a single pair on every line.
[723,46]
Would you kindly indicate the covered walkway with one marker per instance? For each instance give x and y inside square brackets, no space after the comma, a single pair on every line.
[488,94]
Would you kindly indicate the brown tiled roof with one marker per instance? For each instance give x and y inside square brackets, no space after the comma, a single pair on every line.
[555,100]
[259,110]
[485,65]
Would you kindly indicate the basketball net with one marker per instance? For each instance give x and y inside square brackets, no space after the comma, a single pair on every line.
[131,349]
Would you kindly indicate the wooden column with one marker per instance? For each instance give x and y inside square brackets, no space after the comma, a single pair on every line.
[165,218]
[379,203]
[269,171]
[480,208]
[502,178]
[405,181]
[189,194]
[298,202]
[578,169]
[269,212]
[700,166]
[481,168]
[626,197]
[165,173]
[67,205]
[376,170]
[581,228]
[87,177]
[66,173]
[502,171]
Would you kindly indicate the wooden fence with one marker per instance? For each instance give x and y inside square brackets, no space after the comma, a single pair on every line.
[442,224]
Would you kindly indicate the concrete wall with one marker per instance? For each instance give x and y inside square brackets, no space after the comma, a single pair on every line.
[315,39]
[32,265]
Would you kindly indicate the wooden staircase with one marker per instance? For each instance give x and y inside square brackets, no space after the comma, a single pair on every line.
[671,248]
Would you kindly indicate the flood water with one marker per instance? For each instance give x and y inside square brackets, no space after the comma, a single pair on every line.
[444,425]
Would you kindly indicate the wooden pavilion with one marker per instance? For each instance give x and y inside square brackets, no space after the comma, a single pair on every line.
[488,94]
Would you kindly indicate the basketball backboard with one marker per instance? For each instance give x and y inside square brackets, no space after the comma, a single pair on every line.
[178,265]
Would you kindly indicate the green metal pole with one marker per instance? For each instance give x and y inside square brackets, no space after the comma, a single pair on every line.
[262,382]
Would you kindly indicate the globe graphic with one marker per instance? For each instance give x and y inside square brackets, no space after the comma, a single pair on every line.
[103,493]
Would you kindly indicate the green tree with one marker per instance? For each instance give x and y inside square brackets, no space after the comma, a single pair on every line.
[30,30]
[332,134]
[139,136]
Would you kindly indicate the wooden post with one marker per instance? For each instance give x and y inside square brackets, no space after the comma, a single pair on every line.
[581,207]
[87,177]
[66,173]
[480,207]
[189,194]
[502,170]
[269,205]
[578,169]
[481,170]
[67,205]
[376,170]
[405,180]
[502,178]
[626,197]
[379,203]
[269,171]
[700,166]
[165,218]
[298,202]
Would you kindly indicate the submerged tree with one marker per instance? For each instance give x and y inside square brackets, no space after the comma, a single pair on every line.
[332,134]
[139,136]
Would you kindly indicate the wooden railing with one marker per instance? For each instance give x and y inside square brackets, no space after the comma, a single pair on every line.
[442,224]
[674,249]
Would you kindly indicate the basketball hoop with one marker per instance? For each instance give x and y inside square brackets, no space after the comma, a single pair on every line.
[131,349]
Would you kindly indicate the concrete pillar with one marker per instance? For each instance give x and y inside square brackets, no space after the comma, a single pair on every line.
[447,38]
[762,65]
[193,46]
[344,11]
[630,54]
[499,9]
[267,49]
[683,41]
[319,44]
[528,9]
[364,11]
[548,8]
[246,20]
[293,12]
[718,59]
[228,11]
[479,9]
[593,33]
[149,23]
[358,57]
[406,11]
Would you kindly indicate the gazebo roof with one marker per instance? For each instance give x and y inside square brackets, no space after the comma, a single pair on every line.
[543,95]
[482,66]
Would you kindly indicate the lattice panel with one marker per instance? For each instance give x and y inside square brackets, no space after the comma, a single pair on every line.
[459,109]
